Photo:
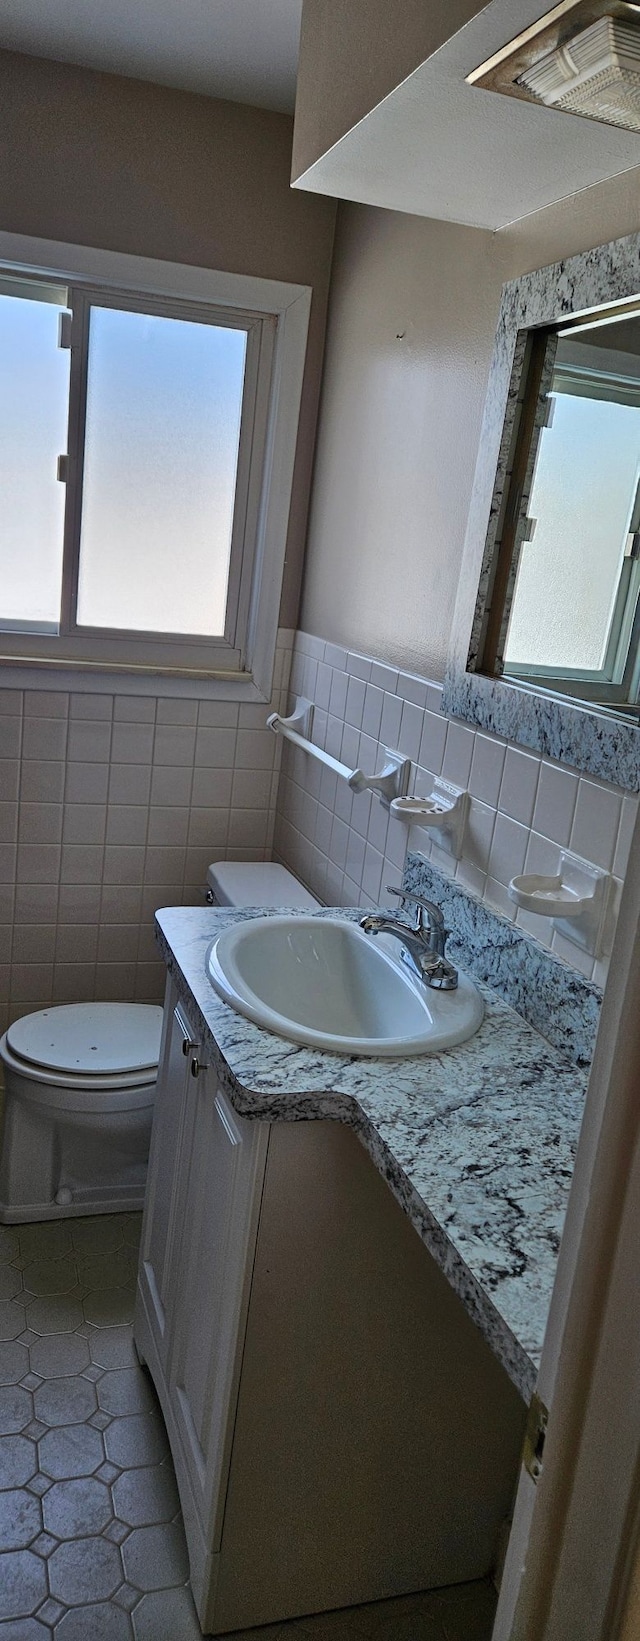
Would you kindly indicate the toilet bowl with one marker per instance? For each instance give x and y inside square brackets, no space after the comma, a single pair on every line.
[79,1088]
[80,1083]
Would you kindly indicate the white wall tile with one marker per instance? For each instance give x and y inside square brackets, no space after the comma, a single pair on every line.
[135,709]
[412,688]
[508,849]
[132,744]
[40,824]
[433,742]
[519,785]
[458,752]
[372,873]
[127,783]
[372,712]
[383,676]
[85,783]
[596,822]
[87,706]
[358,665]
[625,834]
[391,719]
[487,766]
[88,742]
[411,727]
[356,694]
[479,836]
[555,802]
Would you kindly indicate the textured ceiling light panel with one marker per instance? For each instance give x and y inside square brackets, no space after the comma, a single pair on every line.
[596,74]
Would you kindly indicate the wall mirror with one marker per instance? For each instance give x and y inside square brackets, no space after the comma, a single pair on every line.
[546,643]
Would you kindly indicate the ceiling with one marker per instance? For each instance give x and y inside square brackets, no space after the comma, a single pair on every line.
[441,148]
[244,50]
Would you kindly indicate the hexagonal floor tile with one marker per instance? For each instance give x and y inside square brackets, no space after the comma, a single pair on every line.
[25,1629]
[168,1615]
[138,1440]
[72,1450]
[58,1354]
[60,1313]
[73,1509]
[85,1564]
[50,1239]
[18,1460]
[111,1308]
[10,1282]
[155,1558]
[112,1347]
[101,1234]
[20,1519]
[126,1390]
[147,1496]
[16,1409]
[102,1622]
[102,1271]
[12,1318]
[47,1276]
[14,1362]
[65,1401]
[23,1584]
[9,1244]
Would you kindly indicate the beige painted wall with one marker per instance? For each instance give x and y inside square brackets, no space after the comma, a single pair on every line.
[412,318]
[95,159]
[353,53]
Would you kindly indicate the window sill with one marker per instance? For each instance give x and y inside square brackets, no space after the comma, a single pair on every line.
[47,674]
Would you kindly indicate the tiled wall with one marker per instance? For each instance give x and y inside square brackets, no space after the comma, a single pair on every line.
[524,808]
[110,807]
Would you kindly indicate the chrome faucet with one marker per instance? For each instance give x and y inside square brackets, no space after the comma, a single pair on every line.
[423,940]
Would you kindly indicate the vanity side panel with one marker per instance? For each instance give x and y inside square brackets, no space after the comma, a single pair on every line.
[377,1439]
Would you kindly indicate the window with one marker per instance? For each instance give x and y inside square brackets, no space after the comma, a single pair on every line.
[146,457]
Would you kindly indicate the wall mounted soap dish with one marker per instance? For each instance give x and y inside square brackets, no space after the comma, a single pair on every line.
[576,899]
[444,811]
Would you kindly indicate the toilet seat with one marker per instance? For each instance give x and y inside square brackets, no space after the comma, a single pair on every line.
[88,1040]
[90,1057]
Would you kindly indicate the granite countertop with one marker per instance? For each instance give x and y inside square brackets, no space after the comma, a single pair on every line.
[477,1142]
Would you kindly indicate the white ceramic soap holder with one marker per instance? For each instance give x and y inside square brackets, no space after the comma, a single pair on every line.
[444,811]
[576,899]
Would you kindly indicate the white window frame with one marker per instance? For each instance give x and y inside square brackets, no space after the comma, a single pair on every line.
[240,666]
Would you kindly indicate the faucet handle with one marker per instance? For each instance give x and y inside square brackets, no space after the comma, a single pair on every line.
[422,904]
[405,894]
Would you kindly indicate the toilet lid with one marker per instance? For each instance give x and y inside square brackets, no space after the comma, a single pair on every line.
[103,1038]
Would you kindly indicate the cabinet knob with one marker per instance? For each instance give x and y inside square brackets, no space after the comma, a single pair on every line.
[197,1067]
[187,1046]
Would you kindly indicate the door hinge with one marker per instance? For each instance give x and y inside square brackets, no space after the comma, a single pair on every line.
[62,469]
[534,1437]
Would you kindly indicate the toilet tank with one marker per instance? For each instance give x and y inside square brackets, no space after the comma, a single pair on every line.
[256,883]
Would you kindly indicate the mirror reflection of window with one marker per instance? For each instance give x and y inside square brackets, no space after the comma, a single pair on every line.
[574,612]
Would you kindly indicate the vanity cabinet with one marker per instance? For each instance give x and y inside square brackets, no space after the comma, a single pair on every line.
[341,1431]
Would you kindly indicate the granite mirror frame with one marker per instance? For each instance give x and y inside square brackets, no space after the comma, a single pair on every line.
[594,740]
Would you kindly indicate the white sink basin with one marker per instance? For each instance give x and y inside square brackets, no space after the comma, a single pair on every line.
[324,982]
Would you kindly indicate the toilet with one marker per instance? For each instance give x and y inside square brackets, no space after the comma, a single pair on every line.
[80,1083]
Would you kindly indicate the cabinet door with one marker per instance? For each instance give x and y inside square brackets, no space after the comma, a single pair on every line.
[219,1217]
[161,1223]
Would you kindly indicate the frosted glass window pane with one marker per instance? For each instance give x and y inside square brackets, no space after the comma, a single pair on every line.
[34,405]
[164,400]
[584,489]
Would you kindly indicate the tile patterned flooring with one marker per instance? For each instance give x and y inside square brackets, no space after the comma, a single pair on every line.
[91,1539]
